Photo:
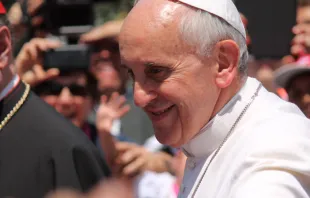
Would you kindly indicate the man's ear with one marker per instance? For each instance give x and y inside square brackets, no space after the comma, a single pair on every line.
[227,55]
[5,46]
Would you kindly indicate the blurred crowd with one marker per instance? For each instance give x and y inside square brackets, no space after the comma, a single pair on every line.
[99,99]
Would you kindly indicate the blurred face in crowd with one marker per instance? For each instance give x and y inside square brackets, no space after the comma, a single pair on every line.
[299,93]
[245,23]
[33,7]
[105,65]
[303,14]
[175,87]
[69,95]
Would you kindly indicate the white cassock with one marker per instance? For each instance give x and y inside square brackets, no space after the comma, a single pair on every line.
[267,155]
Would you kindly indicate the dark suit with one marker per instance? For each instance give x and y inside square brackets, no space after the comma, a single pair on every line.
[40,151]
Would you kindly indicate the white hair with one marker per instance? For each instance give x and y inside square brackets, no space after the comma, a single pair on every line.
[202,29]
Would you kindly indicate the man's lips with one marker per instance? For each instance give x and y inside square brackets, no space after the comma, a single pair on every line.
[158,111]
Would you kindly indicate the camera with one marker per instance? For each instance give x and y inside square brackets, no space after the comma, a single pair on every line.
[67,20]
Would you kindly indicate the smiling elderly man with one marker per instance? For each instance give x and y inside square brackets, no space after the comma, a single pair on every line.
[188,62]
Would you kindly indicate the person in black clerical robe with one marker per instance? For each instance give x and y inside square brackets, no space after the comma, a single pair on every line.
[40,151]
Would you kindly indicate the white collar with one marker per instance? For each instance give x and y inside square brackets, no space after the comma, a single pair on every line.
[12,84]
[213,133]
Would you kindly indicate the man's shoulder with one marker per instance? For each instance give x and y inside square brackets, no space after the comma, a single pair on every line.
[47,124]
[283,122]
[280,133]
[278,141]
[271,112]
[274,124]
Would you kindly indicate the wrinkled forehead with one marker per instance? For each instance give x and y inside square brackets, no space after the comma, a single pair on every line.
[152,25]
[163,11]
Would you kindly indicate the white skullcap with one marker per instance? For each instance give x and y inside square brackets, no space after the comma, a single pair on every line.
[224,9]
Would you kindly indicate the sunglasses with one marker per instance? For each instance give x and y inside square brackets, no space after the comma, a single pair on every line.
[54,88]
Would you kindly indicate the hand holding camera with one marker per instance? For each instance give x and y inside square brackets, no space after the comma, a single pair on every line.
[29,62]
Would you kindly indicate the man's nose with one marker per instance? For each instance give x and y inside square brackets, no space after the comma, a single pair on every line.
[65,96]
[142,96]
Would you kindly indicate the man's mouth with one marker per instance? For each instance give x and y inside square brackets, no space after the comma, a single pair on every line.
[157,113]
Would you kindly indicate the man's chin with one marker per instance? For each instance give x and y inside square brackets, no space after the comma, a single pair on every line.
[169,139]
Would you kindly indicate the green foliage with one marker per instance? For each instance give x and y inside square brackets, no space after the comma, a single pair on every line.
[107,11]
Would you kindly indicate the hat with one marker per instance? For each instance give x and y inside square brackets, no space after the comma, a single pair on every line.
[224,9]
[2,9]
[286,73]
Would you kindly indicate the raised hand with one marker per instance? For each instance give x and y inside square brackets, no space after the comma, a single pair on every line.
[110,110]
[133,159]
[29,61]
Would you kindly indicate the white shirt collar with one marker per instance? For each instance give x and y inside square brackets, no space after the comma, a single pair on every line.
[13,83]
[213,133]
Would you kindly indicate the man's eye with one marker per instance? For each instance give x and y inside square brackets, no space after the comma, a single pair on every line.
[155,70]
[157,73]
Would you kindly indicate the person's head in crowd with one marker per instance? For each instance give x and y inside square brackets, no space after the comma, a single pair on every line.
[301,41]
[245,23]
[295,79]
[105,60]
[71,93]
[303,12]
[25,15]
[186,65]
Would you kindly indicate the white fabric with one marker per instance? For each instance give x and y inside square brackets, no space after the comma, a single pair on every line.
[9,87]
[224,9]
[268,154]
[116,127]
[155,185]
[152,144]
